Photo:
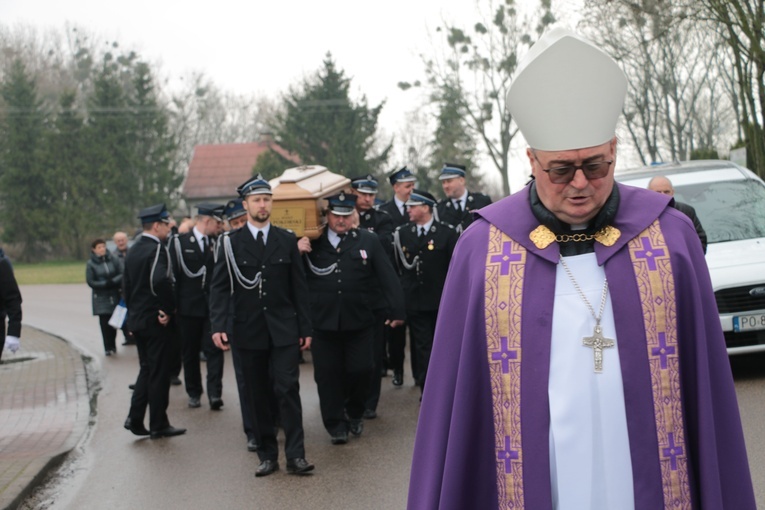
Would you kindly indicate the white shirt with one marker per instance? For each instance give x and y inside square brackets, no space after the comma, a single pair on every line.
[333,238]
[461,201]
[254,230]
[426,226]
[590,466]
[400,205]
[200,238]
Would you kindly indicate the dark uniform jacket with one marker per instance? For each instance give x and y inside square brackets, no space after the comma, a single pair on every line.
[277,308]
[191,292]
[380,223]
[346,298]
[147,283]
[447,213]
[392,210]
[689,211]
[424,283]
[104,276]
[10,298]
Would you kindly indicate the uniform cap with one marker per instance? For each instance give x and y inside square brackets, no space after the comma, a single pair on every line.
[420,197]
[367,184]
[234,209]
[452,170]
[402,175]
[213,210]
[154,213]
[256,185]
[567,93]
[342,204]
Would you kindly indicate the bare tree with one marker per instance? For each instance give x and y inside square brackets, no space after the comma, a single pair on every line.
[478,65]
[674,94]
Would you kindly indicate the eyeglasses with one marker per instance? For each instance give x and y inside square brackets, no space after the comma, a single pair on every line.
[565,174]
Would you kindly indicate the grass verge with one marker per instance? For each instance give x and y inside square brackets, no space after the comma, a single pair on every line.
[65,271]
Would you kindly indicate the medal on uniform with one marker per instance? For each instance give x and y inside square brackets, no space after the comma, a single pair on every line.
[430,245]
[363,256]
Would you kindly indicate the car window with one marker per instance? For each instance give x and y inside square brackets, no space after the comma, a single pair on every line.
[728,210]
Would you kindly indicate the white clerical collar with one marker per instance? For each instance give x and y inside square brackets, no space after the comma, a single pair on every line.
[254,231]
[426,226]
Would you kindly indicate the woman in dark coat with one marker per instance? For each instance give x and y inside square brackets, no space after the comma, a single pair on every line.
[104,275]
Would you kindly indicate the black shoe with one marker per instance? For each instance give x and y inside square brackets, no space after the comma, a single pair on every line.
[298,466]
[168,431]
[128,342]
[175,381]
[266,468]
[357,427]
[369,414]
[109,352]
[398,378]
[340,438]
[131,386]
[252,445]
[216,403]
[194,402]
[136,428]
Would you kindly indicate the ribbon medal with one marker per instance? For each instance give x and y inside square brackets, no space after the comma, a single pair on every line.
[363,256]
[430,245]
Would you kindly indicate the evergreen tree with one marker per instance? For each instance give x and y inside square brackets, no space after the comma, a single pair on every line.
[24,184]
[323,126]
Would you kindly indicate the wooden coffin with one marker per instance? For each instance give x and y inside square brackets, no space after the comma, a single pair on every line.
[299,195]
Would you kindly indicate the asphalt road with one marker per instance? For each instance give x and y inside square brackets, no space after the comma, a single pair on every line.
[209,467]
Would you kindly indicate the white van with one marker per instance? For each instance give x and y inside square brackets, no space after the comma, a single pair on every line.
[730,203]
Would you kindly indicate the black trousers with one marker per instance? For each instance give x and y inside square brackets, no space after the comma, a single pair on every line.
[152,387]
[422,328]
[175,351]
[342,362]
[396,339]
[108,333]
[283,362]
[378,353]
[196,337]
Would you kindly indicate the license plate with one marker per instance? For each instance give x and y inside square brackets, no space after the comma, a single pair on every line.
[748,322]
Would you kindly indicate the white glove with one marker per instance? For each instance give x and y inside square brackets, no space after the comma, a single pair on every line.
[12,343]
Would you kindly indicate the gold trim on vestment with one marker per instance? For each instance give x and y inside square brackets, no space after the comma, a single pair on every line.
[505,263]
[653,271]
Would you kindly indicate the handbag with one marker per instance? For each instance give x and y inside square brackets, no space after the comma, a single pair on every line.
[117,320]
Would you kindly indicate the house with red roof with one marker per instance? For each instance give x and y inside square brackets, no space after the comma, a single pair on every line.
[215,171]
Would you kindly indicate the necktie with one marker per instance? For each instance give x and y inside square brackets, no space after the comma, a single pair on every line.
[458,205]
[260,244]
[422,231]
[205,245]
[403,208]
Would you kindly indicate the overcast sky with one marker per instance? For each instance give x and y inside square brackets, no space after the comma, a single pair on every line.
[263,47]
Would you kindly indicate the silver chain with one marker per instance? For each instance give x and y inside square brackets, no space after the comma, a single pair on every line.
[584,298]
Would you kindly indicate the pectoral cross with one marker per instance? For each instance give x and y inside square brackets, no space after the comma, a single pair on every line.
[598,342]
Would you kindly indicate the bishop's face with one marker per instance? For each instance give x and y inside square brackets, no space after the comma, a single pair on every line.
[578,201]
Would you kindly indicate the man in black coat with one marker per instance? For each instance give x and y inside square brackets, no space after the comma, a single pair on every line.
[456,208]
[193,255]
[402,181]
[259,279]
[663,185]
[381,224]
[424,247]
[147,284]
[348,274]
[10,306]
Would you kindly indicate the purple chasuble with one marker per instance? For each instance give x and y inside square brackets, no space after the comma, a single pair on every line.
[463,457]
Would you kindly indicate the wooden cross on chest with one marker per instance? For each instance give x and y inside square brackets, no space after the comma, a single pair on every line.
[598,342]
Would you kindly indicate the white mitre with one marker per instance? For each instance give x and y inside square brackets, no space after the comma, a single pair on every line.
[567,93]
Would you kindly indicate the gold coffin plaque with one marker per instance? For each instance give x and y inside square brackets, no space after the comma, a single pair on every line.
[292,218]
